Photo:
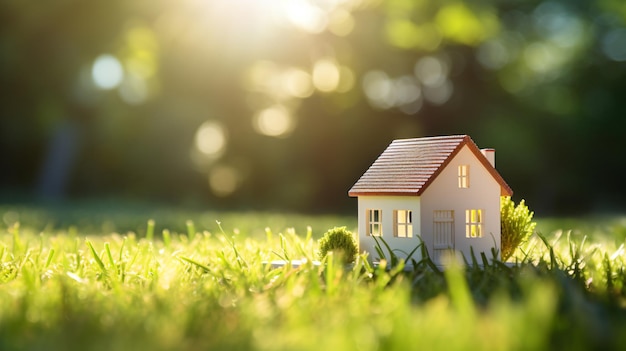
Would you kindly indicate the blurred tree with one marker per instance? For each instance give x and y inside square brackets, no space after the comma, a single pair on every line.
[283,103]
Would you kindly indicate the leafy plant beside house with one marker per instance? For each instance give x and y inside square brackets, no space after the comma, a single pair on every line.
[340,241]
[516,225]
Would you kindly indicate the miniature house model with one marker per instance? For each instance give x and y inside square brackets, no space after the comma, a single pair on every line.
[442,190]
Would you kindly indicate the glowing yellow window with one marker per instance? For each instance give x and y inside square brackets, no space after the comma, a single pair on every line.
[403,226]
[473,223]
[464,176]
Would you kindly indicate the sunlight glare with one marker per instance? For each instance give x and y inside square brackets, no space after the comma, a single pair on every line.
[306,16]
[107,72]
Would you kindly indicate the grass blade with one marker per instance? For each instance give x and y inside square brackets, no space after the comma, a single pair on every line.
[167,238]
[150,230]
[195,263]
[107,249]
[48,260]
[96,257]
[191,229]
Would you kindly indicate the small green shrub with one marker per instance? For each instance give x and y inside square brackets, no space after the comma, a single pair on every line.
[516,225]
[341,241]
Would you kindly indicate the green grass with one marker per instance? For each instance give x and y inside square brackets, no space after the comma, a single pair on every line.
[199,285]
[103,218]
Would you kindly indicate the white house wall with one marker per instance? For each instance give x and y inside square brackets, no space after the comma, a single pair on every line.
[444,194]
[388,204]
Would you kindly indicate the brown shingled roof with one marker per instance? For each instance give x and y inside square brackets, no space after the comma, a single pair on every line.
[408,166]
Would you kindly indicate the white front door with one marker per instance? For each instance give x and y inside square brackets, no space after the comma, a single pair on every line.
[443,234]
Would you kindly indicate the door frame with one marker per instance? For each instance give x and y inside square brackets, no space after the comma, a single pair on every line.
[442,219]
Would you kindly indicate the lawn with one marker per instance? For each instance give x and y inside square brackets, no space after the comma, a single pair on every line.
[101,278]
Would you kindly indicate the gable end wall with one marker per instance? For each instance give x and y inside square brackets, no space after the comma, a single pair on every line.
[444,194]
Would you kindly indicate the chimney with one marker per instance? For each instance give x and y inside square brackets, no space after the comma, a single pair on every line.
[490,154]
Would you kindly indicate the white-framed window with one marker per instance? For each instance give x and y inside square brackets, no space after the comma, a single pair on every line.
[403,223]
[374,222]
[473,223]
[463,176]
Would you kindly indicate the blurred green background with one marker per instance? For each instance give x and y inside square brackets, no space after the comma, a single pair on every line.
[283,104]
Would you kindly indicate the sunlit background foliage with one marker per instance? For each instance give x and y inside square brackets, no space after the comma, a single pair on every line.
[284,103]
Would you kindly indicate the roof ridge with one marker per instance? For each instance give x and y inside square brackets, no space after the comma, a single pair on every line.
[432,138]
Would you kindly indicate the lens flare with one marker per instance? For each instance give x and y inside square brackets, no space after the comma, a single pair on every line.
[306,16]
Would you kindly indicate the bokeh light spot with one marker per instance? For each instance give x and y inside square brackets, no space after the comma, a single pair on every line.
[413,107]
[142,63]
[346,79]
[223,180]
[341,22]
[133,90]
[275,121]
[260,74]
[107,72]
[406,34]
[493,54]
[614,44]
[278,83]
[406,90]
[383,92]
[439,94]
[557,23]
[377,87]
[541,57]
[431,71]
[10,218]
[140,38]
[326,75]
[297,83]
[459,23]
[210,139]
